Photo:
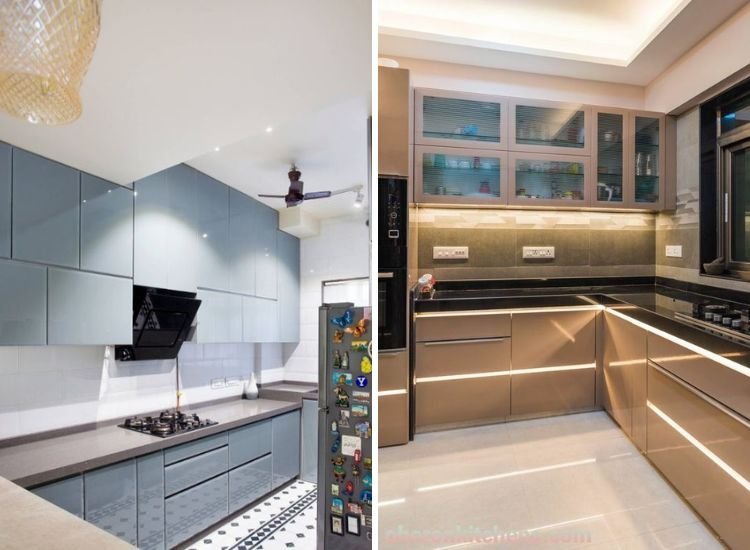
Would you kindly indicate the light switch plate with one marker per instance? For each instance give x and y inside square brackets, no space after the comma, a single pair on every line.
[450,252]
[538,252]
[674,251]
[218,383]
[233,381]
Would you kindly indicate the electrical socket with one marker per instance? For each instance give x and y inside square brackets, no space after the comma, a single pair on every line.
[233,381]
[218,383]
[450,252]
[673,251]
[538,252]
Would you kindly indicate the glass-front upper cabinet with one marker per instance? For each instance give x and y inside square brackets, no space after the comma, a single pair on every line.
[610,149]
[549,180]
[647,160]
[549,127]
[457,119]
[460,176]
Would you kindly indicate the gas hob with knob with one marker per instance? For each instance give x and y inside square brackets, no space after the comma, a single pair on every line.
[168,423]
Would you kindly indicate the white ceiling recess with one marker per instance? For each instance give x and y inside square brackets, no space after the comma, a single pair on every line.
[172,80]
[629,42]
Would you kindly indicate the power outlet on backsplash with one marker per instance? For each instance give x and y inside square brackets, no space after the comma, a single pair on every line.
[538,252]
[233,381]
[450,252]
[673,251]
[218,383]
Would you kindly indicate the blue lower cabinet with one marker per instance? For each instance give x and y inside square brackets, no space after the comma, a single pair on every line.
[191,511]
[189,472]
[66,494]
[286,447]
[111,500]
[309,467]
[249,442]
[249,482]
[150,471]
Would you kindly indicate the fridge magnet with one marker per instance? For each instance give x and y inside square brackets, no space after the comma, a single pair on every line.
[338,336]
[342,398]
[337,506]
[367,520]
[336,359]
[336,443]
[356,472]
[365,365]
[361,395]
[357,456]
[345,360]
[359,329]
[367,480]
[368,463]
[361,381]
[366,497]
[334,490]
[337,525]
[334,427]
[341,378]
[362,429]
[349,488]
[353,508]
[339,472]
[352,524]
[360,410]
[369,349]
[344,419]
[350,444]
[345,320]
[359,345]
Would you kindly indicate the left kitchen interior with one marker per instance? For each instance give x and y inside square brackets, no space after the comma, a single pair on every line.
[164,270]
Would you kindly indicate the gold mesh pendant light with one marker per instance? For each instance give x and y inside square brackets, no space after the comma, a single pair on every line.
[45,49]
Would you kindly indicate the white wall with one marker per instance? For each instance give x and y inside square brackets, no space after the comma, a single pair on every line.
[341,250]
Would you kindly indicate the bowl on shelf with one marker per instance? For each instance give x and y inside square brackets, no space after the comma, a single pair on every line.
[716,267]
[744,275]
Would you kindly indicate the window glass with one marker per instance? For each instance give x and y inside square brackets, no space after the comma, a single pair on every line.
[740,204]
[735,114]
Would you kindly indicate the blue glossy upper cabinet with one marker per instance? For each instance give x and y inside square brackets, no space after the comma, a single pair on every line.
[289,287]
[46,212]
[219,317]
[242,213]
[457,119]
[549,127]
[212,199]
[110,500]
[106,227]
[23,304]
[266,222]
[260,320]
[88,308]
[6,164]
[165,229]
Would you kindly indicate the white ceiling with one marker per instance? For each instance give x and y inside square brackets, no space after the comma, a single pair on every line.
[627,41]
[172,80]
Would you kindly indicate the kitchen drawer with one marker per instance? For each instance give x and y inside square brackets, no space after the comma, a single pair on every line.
[393,370]
[196,509]
[556,392]
[393,419]
[722,500]
[462,357]
[553,338]
[461,327]
[463,402]
[194,470]
[249,482]
[722,383]
[186,450]
[249,442]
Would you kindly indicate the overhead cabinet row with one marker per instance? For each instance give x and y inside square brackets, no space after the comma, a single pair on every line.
[489,150]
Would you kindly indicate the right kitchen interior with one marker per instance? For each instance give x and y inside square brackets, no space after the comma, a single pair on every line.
[564,274]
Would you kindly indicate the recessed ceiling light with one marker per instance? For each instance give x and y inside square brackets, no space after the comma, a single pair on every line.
[217,148]
[269,129]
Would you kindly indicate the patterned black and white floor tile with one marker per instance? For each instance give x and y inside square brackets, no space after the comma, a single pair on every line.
[286,519]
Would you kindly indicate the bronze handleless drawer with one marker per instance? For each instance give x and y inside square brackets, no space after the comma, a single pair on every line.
[703,449]
[461,357]
[461,327]
[553,392]
[724,384]
[393,370]
[393,419]
[553,338]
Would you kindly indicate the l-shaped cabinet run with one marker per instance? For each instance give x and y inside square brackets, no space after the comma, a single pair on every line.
[685,407]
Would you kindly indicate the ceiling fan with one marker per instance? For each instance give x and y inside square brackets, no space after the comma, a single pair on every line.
[296,196]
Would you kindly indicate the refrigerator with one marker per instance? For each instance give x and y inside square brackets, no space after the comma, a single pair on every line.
[345,426]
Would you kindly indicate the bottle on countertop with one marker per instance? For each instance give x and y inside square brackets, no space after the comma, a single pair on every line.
[251,388]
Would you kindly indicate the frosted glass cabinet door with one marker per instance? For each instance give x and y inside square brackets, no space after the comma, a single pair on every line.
[549,127]
[610,149]
[266,223]
[242,213]
[289,287]
[457,119]
[549,180]
[5,197]
[23,304]
[106,227]
[467,176]
[212,199]
[46,215]
[89,309]
[648,136]
[111,500]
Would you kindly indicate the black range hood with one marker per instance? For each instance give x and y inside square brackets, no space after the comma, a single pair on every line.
[162,321]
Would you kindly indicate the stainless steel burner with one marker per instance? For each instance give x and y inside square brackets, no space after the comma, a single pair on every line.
[168,423]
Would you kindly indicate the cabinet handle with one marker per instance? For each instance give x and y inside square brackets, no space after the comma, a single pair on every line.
[385,275]
[469,341]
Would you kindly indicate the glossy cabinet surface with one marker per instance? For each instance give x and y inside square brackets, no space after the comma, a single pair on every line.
[457,119]
[453,175]
[249,442]
[191,471]
[549,127]
[260,320]
[6,173]
[111,500]
[285,447]
[608,161]
[461,327]
[264,238]
[193,448]
[549,180]
[106,227]
[249,482]
[648,138]
[66,493]
[46,214]
[219,317]
[150,483]
[242,220]
[89,309]
[309,451]
[393,398]
[23,304]
[213,243]
[288,259]
[393,121]
[190,512]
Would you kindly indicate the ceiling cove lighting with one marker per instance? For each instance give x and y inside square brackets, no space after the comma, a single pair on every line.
[700,446]
[493,374]
[46,47]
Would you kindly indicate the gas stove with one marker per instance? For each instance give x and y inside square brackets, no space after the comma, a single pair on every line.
[167,424]
[731,321]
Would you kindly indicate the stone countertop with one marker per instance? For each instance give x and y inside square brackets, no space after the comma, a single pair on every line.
[28,521]
[38,462]
[289,391]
